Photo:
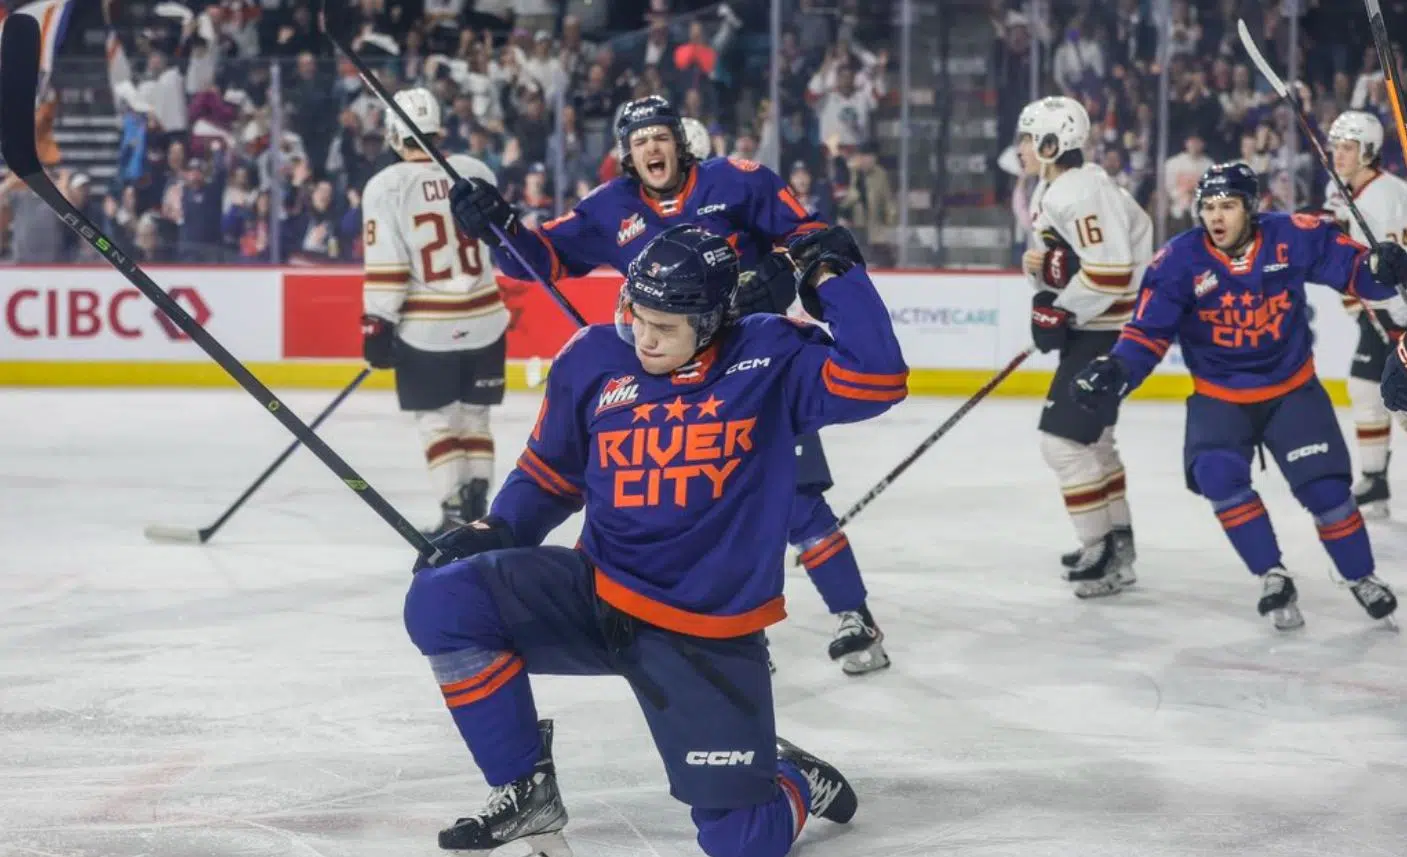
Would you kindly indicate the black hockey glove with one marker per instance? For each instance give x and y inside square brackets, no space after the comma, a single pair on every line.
[833,249]
[476,537]
[1394,383]
[768,288]
[1388,263]
[378,342]
[1050,325]
[1060,264]
[1101,385]
[478,207]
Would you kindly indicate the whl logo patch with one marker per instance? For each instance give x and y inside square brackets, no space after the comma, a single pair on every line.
[617,392]
[1203,283]
[630,228]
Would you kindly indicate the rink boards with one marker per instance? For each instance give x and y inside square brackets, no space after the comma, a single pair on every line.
[298,327]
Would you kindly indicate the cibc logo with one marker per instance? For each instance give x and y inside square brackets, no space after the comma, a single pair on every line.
[83,313]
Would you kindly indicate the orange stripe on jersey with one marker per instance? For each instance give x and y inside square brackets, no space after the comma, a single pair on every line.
[840,382]
[543,474]
[557,271]
[789,200]
[514,667]
[1248,395]
[1133,334]
[708,625]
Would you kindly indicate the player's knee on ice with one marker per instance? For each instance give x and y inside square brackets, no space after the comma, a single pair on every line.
[449,608]
[760,831]
[1221,474]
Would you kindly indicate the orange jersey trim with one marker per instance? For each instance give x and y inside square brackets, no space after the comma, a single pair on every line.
[548,479]
[1157,346]
[1250,395]
[840,382]
[678,199]
[713,627]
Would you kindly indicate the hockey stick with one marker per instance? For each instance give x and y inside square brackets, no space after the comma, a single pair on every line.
[943,429]
[374,84]
[1395,96]
[19,78]
[1289,98]
[163,533]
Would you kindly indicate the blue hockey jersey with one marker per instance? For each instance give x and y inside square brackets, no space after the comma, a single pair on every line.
[687,479]
[1243,324]
[741,200]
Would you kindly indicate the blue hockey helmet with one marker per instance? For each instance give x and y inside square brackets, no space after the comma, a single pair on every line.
[685,270]
[648,112]
[1224,180]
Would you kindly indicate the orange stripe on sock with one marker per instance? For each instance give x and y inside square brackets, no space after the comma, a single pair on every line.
[488,689]
[824,550]
[1342,529]
[479,677]
[798,807]
[1238,511]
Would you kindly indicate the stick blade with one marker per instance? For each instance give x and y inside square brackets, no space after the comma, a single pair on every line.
[19,84]
[1259,60]
[180,535]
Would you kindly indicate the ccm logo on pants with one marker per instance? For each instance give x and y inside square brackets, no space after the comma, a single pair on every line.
[1306,451]
[722,758]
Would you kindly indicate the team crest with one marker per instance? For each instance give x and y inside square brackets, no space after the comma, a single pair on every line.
[1203,283]
[617,392]
[630,228]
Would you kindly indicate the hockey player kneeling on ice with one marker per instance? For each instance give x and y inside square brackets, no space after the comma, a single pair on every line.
[1091,243]
[664,183]
[1357,140]
[432,311]
[684,464]
[1232,292]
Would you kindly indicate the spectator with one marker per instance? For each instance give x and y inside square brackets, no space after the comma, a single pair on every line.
[844,109]
[545,68]
[1079,60]
[816,200]
[869,206]
[532,127]
[694,60]
[535,206]
[1181,174]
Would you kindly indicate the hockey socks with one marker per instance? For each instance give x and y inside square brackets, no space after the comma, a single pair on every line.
[453,621]
[1248,526]
[1340,525]
[826,554]
[1372,424]
[766,830]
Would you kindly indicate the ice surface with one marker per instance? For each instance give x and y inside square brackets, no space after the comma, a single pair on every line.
[258,696]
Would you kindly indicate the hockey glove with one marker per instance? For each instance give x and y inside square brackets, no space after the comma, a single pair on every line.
[1388,263]
[1101,385]
[1060,263]
[831,249]
[768,288]
[378,342]
[1394,383]
[1050,325]
[486,534]
[478,207]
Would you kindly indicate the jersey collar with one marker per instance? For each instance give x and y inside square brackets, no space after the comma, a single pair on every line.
[671,206]
[1241,265]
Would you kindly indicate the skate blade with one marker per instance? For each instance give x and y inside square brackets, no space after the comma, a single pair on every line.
[1287,618]
[870,660]
[1101,588]
[547,845]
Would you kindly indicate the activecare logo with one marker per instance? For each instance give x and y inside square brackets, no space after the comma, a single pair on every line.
[944,316]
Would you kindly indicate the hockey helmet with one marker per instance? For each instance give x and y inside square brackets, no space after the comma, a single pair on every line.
[1363,128]
[700,145]
[423,109]
[648,112]
[1056,125]
[685,270]
[1228,180]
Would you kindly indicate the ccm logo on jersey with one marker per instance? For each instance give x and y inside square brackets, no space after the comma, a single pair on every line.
[718,758]
[1306,451]
[709,209]
[617,392]
[630,228]
[753,363]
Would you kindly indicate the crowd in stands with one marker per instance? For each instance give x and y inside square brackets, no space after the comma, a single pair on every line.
[1106,54]
[531,87]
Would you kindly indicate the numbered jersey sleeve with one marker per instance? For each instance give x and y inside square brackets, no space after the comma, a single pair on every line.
[772,209]
[1111,235]
[1331,257]
[568,246]
[855,373]
[386,252]
[547,483]
[1163,302]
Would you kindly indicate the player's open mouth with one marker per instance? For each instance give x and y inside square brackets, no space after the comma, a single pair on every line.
[656,170]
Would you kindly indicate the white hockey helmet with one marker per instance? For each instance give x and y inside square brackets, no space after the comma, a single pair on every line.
[1363,128]
[1056,121]
[700,145]
[423,109]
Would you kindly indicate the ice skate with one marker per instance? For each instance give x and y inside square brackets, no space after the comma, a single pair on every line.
[528,810]
[832,798]
[471,504]
[858,643]
[1277,599]
[1372,495]
[1097,573]
[1375,597]
[1123,544]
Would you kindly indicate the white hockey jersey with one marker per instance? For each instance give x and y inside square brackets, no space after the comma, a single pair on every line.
[1383,202]
[1111,235]
[421,273]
